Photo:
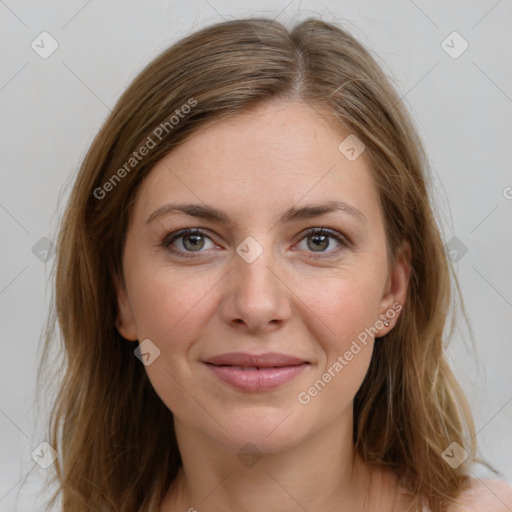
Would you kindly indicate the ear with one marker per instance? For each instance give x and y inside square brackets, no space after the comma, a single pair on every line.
[395,291]
[125,321]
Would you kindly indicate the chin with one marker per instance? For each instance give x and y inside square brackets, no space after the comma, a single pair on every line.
[271,430]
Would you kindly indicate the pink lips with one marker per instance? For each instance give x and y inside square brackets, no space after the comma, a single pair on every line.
[252,372]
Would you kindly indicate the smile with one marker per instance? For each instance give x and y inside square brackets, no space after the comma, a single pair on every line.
[256,373]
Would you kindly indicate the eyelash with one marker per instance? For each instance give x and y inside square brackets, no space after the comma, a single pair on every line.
[176,235]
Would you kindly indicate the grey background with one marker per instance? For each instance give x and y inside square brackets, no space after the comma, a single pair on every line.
[51,109]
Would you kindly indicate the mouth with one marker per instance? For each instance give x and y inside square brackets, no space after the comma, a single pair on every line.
[253,372]
[244,360]
[249,368]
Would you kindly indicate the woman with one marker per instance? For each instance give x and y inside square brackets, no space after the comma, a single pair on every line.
[252,291]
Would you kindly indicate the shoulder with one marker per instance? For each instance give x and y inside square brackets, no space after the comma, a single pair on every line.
[485,496]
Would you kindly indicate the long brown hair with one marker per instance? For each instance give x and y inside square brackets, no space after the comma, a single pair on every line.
[409,408]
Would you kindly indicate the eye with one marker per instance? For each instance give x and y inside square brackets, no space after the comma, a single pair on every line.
[322,240]
[188,241]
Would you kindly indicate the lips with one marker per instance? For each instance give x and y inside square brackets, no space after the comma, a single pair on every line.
[255,372]
[268,360]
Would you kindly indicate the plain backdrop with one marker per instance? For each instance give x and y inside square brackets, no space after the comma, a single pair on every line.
[51,108]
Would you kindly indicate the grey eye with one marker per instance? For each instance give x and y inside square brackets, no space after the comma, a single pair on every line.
[318,242]
[186,241]
[193,242]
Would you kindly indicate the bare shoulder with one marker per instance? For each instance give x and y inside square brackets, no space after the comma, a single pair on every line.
[485,496]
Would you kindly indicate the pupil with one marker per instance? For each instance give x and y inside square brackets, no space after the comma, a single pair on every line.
[321,242]
[196,242]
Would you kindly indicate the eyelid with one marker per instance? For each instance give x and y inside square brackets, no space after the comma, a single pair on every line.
[326,231]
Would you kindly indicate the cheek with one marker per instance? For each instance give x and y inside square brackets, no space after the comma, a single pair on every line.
[172,309]
[345,304]
[166,301]
[348,308]
[344,309]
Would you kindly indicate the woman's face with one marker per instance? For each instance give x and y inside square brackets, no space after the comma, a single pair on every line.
[264,326]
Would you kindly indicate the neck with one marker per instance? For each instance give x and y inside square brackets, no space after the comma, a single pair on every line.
[320,473]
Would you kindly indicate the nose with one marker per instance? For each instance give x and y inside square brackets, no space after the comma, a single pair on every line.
[255,299]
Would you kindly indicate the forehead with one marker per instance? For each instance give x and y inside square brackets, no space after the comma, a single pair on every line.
[277,155]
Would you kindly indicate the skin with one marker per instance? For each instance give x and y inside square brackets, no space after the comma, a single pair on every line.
[291,299]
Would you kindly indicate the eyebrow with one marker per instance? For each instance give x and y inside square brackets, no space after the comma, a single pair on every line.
[293,214]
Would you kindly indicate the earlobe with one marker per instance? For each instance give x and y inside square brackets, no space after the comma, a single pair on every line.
[125,321]
[397,285]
